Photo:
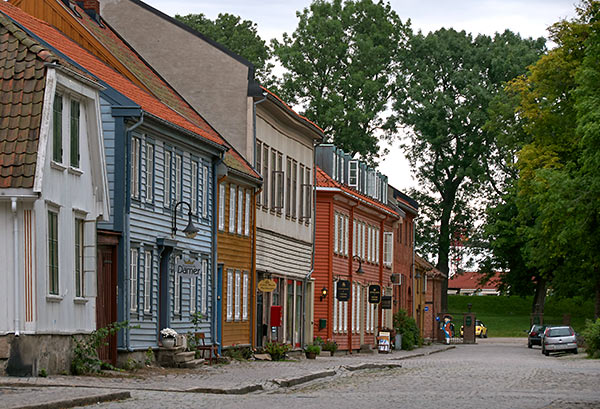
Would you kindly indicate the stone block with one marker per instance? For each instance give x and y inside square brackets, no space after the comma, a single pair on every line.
[5,346]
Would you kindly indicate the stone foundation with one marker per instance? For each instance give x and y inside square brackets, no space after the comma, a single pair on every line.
[28,355]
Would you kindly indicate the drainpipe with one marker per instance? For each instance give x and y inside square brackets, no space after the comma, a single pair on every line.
[254,323]
[13,206]
[412,266]
[254,127]
[127,228]
[214,255]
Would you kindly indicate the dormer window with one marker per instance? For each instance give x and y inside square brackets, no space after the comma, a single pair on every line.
[57,129]
[353,173]
[75,113]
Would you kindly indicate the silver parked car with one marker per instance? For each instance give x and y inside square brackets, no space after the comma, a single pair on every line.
[559,339]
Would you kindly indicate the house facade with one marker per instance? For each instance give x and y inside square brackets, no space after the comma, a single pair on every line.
[354,251]
[285,149]
[428,298]
[53,190]
[162,170]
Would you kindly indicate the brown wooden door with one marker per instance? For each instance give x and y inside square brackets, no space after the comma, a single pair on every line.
[106,302]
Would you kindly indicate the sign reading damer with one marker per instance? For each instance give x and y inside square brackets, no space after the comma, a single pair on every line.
[188,268]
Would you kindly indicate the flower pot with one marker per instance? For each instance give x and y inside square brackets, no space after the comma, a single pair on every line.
[311,355]
[168,342]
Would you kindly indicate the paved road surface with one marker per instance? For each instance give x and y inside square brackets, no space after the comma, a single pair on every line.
[495,373]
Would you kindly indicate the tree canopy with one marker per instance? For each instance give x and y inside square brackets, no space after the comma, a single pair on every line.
[239,36]
[442,101]
[341,63]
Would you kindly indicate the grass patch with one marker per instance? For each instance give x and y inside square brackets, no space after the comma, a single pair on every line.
[507,316]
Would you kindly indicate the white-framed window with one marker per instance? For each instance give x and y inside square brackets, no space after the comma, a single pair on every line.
[229,295]
[353,325]
[336,232]
[388,248]
[194,187]
[204,290]
[133,280]
[232,201]
[147,281]
[193,295]
[377,240]
[278,180]
[335,308]
[176,289]
[222,206]
[245,301]
[354,235]
[294,194]
[149,172]
[135,167]
[57,128]
[358,307]
[247,214]
[307,194]
[79,246]
[205,187]
[346,227]
[258,161]
[74,128]
[288,187]
[353,179]
[345,311]
[168,182]
[236,295]
[240,210]
[265,176]
[178,177]
[334,163]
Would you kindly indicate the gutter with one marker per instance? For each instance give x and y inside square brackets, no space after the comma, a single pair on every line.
[13,207]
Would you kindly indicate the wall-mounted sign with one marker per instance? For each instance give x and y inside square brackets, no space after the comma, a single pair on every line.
[267,285]
[188,268]
[343,290]
[426,308]
[374,294]
[386,302]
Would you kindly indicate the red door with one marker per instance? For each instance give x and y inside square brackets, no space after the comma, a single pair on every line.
[106,302]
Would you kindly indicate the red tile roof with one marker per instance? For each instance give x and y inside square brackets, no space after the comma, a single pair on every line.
[22,85]
[324,180]
[471,280]
[148,102]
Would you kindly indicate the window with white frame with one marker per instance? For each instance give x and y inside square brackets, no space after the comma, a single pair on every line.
[135,167]
[358,306]
[278,180]
[377,240]
[288,187]
[353,174]
[74,148]
[147,281]
[335,308]
[229,295]
[193,294]
[204,290]
[57,128]
[205,187]
[222,206]
[336,232]
[388,248]
[334,163]
[354,315]
[294,193]
[265,176]
[258,161]
[176,289]
[79,246]
[149,172]
[247,214]
[240,210]
[232,201]
[245,303]
[133,280]
[301,194]
[168,183]
[236,295]
[354,235]
[345,311]
[346,227]
[194,187]
[307,195]
[178,177]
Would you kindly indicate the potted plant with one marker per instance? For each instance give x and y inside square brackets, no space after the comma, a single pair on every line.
[312,351]
[168,337]
[330,345]
[276,350]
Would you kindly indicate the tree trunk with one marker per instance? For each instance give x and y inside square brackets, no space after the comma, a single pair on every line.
[597,306]
[540,296]
[444,248]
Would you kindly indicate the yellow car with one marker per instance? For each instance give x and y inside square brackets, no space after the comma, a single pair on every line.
[481,330]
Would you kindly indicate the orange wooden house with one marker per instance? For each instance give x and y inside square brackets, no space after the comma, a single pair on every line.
[354,246]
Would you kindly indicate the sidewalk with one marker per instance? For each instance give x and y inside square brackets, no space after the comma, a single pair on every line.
[234,378]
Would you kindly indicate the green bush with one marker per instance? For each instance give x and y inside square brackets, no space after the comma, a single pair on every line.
[277,350]
[85,355]
[407,326]
[330,345]
[238,353]
[591,337]
[313,349]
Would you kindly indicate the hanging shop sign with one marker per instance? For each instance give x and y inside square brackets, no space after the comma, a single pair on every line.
[267,285]
[374,294]
[343,290]
[188,268]
[386,302]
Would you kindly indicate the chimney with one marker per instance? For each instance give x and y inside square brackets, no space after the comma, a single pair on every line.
[91,7]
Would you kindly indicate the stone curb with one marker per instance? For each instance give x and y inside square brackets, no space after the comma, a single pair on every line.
[229,391]
[303,379]
[360,367]
[81,401]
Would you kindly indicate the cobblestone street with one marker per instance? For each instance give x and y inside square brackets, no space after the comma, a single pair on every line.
[495,373]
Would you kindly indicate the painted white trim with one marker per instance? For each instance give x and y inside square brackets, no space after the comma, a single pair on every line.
[44,129]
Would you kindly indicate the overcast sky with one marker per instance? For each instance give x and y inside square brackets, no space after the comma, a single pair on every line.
[274,17]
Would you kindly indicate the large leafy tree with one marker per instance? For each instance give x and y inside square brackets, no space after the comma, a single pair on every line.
[442,100]
[240,36]
[341,63]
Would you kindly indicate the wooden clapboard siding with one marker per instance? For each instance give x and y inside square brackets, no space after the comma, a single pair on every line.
[235,252]
[323,242]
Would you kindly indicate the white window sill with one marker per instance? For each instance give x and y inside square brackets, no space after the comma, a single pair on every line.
[58,166]
[80,300]
[53,298]
[75,171]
